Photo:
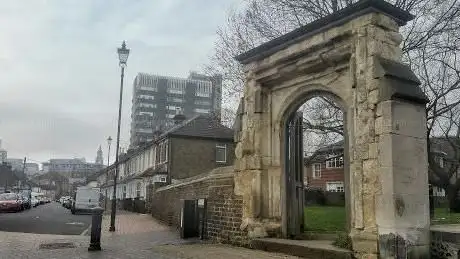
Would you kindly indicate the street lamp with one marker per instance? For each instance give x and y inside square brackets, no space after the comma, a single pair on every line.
[109,143]
[123,54]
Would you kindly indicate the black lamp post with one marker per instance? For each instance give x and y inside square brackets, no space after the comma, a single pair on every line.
[123,54]
[109,143]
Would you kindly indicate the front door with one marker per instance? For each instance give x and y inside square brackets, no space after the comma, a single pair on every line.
[294,177]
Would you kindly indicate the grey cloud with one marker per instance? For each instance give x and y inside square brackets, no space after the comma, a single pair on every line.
[59,92]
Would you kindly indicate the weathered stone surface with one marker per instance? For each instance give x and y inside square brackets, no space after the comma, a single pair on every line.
[341,62]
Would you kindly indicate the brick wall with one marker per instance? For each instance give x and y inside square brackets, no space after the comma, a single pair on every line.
[224,209]
[193,156]
[327,175]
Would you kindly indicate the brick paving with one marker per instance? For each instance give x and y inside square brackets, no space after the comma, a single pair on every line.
[137,236]
[130,223]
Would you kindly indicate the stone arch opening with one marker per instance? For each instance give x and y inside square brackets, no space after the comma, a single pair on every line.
[296,214]
[353,54]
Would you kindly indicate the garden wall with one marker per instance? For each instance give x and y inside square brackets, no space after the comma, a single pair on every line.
[223,210]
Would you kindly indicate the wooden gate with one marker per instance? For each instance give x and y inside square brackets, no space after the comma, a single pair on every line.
[294,176]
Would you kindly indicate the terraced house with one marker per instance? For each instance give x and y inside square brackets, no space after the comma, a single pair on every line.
[194,146]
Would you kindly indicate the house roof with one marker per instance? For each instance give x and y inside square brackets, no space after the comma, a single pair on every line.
[320,154]
[203,127]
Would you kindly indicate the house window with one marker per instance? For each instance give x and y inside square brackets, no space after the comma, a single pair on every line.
[164,152]
[317,170]
[157,154]
[334,162]
[334,187]
[138,190]
[124,191]
[221,153]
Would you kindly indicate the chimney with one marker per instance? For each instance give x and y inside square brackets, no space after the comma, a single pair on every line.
[179,117]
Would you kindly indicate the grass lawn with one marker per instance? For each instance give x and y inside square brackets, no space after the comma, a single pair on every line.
[443,216]
[332,219]
[325,219]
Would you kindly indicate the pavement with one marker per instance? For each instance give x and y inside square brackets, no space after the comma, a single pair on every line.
[130,223]
[136,236]
[50,218]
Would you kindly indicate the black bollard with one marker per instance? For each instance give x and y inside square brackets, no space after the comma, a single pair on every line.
[95,243]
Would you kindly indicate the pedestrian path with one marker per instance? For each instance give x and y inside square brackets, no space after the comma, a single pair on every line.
[130,223]
[134,239]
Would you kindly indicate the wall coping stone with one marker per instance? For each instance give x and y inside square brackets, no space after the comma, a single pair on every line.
[217,173]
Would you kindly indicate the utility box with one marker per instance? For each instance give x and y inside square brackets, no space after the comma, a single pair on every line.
[189,220]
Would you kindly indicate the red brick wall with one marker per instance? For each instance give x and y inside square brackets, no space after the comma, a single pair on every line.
[224,209]
[327,175]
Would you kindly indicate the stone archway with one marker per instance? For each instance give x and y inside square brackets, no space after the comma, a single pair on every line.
[353,55]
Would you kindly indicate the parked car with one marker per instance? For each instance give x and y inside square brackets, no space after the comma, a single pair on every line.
[38,197]
[68,203]
[26,203]
[26,194]
[34,201]
[64,199]
[10,202]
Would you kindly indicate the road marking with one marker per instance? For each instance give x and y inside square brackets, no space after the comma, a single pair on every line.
[85,231]
[75,223]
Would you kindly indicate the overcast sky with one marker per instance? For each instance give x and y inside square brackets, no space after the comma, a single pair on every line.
[60,76]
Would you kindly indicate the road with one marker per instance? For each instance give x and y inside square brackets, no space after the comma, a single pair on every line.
[49,218]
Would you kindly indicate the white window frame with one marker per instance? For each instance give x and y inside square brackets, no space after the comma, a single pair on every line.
[337,186]
[334,162]
[123,188]
[224,147]
[315,171]
[138,190]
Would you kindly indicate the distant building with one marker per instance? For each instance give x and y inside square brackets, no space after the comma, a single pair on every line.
[17,164]
[7,177]
[74,168]
[99,157]
[324,169]
[32,169]
[3,153]
[157,99]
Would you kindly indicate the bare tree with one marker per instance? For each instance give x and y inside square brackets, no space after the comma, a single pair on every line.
[444,158]
[431,44]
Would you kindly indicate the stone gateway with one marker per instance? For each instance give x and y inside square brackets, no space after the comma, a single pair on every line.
[354,57]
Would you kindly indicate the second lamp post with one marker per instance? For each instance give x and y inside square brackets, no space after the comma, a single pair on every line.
[123,54]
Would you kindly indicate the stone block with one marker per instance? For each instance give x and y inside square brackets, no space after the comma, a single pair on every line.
[402,118]
[373,97]
[384,21]
[373,150]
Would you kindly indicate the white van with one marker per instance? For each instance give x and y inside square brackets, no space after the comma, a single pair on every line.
[86,198]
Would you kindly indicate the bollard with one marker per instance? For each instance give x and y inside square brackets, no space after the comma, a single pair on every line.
[96,225]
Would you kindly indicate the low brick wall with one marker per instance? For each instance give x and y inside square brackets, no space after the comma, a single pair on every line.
[223,211]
